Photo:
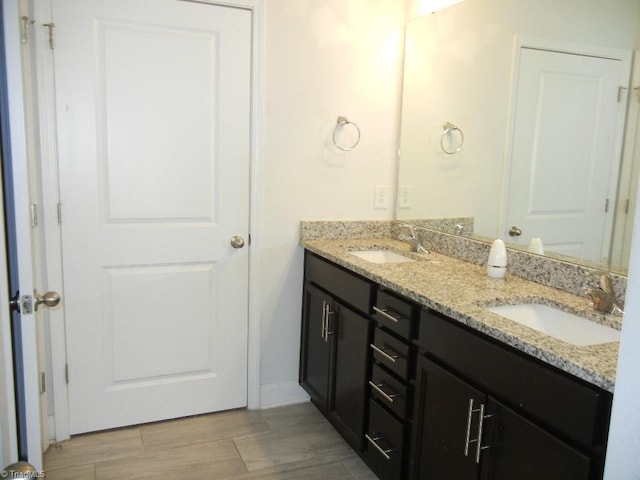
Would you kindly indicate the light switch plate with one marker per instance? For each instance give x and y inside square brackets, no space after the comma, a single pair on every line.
[404,196]
[381,197]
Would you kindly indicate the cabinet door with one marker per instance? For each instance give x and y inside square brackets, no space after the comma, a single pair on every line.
[447,425]
[520,449]
[351,333]
[315,346]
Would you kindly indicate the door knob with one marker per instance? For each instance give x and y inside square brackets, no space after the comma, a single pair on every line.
[49,299]
[515,231]
[237,241]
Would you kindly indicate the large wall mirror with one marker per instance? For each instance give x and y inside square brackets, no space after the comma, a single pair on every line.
[523,117]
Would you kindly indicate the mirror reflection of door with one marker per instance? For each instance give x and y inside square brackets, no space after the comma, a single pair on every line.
[565,150]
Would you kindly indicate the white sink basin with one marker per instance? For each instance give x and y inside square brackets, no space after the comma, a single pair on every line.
[559,324]
[381,256]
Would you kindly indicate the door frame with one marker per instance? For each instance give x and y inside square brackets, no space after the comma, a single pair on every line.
[626,203]
[59,423]
[18,138]
[8,426]
[540,43]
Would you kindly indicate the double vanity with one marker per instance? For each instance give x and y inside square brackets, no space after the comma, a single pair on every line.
[432,370]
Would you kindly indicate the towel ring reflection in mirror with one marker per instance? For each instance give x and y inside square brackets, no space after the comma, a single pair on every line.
[450,131]
[341,123]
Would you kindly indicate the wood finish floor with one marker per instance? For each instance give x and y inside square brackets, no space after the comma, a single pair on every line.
[287,443]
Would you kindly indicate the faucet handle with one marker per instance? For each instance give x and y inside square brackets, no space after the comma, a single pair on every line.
[602,302]
[598,279]
[603,297]
[605,283]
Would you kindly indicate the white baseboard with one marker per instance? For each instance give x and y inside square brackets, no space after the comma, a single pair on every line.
[281,394]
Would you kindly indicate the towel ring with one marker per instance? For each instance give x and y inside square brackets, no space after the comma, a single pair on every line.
[449,128]
[342,122]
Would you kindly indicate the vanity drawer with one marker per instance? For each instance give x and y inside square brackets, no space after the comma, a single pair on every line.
[384,443]
[562,403]
[395,314]
[388,391]
[391,352]
[349,287]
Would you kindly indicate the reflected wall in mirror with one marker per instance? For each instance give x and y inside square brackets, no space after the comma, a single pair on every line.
[542,96]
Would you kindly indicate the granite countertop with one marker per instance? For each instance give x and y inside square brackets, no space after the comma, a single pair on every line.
[461,290]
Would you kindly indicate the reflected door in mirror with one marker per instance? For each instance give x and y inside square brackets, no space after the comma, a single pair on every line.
[564,161]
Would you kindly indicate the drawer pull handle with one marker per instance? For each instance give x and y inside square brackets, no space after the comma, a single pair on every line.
[391,357]
[386,314]
[378,388]
[373,441]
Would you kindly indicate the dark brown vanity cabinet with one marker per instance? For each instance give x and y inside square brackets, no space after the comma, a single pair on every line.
[390,384]
[335,344]
[485,411]
[422,397]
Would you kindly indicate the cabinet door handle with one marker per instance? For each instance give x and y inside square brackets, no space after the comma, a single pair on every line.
[479,447]
[480,424]
[378,388]
[330,313]
[391,357]
[467,438]
[386,314]
[374,442]
[324,320]
[478,439]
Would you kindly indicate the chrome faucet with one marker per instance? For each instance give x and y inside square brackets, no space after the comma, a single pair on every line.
[604,298]
[413,239]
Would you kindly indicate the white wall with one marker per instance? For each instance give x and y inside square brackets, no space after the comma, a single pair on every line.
[623,452]
[323,58]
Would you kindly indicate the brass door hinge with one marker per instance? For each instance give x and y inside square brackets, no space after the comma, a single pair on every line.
[52,28]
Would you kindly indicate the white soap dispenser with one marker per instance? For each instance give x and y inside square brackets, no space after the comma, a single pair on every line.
[497,263]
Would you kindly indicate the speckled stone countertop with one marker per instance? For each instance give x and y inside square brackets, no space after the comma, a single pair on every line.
[461,290]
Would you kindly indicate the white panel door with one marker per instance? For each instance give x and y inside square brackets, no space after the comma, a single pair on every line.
[563,152]
[153,101]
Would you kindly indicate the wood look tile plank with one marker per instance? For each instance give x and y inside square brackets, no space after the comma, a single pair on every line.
[284,446]
[214,460]
[286,443]
[83,472]
[358,469]
[323,471]
[92,448]
[202,428]
[292,416]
